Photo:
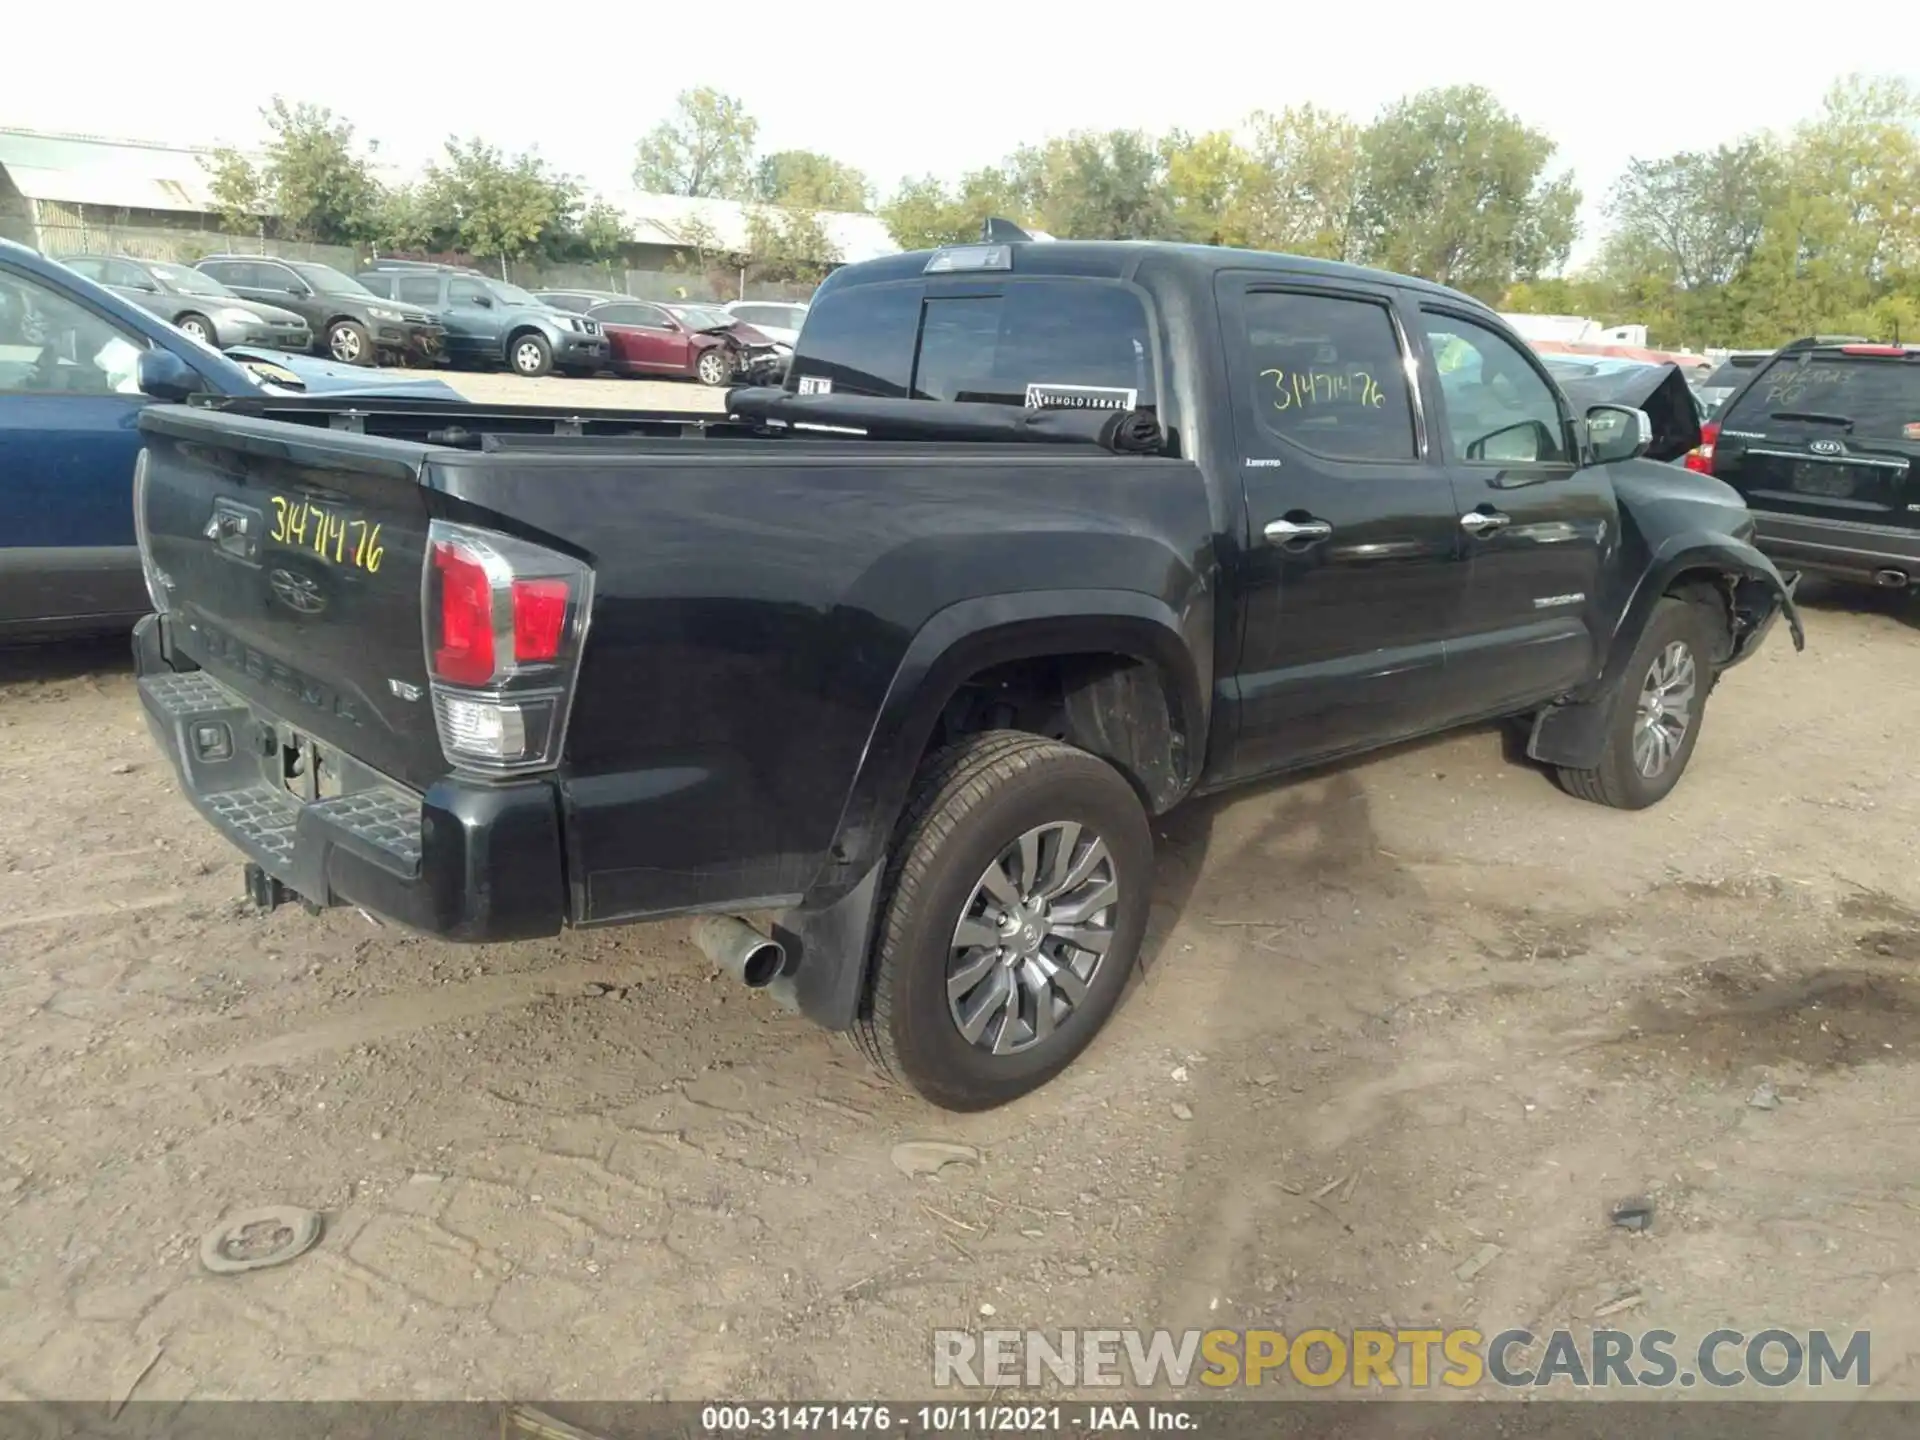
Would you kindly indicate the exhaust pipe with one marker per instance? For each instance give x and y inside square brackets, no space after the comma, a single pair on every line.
[738,950]
[1891,579]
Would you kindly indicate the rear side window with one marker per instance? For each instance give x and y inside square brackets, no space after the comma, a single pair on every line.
[1054,343]
[418,289]
[1878,397]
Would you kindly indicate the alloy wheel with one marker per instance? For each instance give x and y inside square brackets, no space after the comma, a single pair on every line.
[1665,711]
[1035,929]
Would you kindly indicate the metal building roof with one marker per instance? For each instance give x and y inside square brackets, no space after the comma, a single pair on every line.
[672,219]
[90,170]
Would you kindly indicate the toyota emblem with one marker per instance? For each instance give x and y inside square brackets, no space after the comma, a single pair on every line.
[1827,447]
[297,592]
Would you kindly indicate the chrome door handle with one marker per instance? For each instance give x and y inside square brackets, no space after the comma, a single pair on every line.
[1288,532]
[1482,522]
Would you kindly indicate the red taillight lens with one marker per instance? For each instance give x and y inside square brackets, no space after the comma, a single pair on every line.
[1899,350]
[463,650]
[1700,458]
[539,619]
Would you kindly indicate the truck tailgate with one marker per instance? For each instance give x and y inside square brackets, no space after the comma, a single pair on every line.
[291,561]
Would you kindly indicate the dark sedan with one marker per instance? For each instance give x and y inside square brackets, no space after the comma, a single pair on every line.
[199,304]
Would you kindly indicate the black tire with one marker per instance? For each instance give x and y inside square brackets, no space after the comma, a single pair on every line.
[529,355]
[971,804]
[350,344]
[712,368]
[200,327]
[1618,781]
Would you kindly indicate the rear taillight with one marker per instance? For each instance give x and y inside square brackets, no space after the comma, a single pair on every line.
[505,621]
[1700,458]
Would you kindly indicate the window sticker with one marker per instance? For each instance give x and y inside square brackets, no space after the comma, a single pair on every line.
[1044,396]
[816,385]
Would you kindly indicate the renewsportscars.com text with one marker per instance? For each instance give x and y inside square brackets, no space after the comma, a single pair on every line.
[1415,1359]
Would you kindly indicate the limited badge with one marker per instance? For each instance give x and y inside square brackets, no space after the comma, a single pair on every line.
[1912,430]
[1080,397]
[815,385]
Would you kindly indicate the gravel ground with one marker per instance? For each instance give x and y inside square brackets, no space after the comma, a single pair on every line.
[1396,1013]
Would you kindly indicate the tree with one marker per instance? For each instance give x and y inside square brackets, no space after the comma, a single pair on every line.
[1210,180]
[808,180]
[501,207]
[1454,188]
[706,149]
[603,232]
[238,190]
[1304,190]
[789,245]
[315,183]
[1094,186]
[1701,213]
[924,214]
[405,219]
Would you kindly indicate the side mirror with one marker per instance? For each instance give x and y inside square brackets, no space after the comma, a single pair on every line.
[1618,432]
[483,301]
[165,376]
[299,291]
[1522,444]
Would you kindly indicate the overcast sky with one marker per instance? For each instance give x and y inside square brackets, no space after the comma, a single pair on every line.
[902,88]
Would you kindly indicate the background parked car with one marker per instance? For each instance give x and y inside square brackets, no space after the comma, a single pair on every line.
[197,303]
[579,301]
[778,320]
[350,322]
[648,339]
[489,322]
[70,355]
[757,355]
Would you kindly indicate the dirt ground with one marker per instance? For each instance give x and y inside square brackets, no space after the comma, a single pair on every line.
[562,391]
[1454,1004]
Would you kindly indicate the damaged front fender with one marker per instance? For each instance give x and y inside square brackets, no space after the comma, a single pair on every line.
[1753,590]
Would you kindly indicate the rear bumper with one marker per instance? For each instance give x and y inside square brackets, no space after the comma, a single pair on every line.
[1840,548]
[465,861]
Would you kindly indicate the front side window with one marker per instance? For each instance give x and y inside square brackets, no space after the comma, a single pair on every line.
[50,345]
[1498,408]
[466,292]
[1325,372]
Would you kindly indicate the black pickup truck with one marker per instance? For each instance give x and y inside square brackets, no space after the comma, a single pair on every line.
[1037,541]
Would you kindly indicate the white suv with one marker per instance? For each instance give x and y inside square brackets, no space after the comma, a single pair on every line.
[778,320]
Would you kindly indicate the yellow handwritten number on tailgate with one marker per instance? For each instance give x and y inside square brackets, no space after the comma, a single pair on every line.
[309,527]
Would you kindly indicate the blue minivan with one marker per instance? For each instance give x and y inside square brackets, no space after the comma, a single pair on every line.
[70,353]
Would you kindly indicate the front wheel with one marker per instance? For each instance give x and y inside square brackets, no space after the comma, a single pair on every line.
[1014,907]
[713,368]
[530,355]
[1657,712]
[349,343]
[200,328]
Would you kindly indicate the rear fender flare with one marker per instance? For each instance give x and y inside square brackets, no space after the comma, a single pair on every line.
[1574,734]
[829,936]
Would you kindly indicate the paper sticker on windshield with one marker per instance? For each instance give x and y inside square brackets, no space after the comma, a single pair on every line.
[1911,431]
[815,385]
[1080,397]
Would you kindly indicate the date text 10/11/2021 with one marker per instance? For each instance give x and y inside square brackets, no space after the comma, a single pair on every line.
[948,1419]
[307,526]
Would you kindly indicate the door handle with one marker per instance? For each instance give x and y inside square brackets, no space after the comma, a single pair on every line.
[1290,532]
[1483,522]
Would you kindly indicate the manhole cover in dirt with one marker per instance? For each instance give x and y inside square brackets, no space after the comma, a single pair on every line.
[255,1239]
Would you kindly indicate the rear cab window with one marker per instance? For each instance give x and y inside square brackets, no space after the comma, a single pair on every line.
[1834,429]
[1040,342]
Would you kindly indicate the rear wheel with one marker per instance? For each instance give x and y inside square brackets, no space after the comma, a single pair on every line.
[530,355]
[349,343]
[1015,903]
[1657,713]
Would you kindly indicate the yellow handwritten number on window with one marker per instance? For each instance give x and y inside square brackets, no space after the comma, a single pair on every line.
[1302,389]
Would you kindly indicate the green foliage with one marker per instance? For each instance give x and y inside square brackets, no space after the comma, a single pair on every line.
[239,191]
[705,149]
[1454,188]
[316,184]
[789,245]
[501,207]
[808,180]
